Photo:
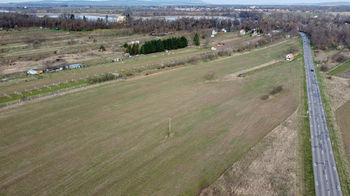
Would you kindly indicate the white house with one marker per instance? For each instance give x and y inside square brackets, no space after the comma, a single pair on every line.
[224,30]
[121,19]
[290,57]
[242,32]
[213,48]
[214,32]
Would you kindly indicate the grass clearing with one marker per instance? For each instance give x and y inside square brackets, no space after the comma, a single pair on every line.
[114,139]
[342,70]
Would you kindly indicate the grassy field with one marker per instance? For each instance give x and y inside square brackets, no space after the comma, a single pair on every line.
[23,86]
[115,139]
[342,70]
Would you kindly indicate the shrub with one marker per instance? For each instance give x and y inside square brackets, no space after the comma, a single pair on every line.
[102,48]
[36,44]
[125,45]
[103,78]
[209,76]
[264,97]
[324,68]
[226,52]
[276,90]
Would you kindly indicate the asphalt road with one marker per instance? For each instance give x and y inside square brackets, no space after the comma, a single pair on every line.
[325,171]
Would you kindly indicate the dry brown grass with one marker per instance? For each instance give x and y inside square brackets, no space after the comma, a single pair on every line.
[267,169]
[113,139]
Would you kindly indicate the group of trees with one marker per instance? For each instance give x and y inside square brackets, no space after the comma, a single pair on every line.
[325,30]
[132,49]
[162,45]
[65,22]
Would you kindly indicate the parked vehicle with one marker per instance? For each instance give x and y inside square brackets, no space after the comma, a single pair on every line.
[35,71]
[75,66]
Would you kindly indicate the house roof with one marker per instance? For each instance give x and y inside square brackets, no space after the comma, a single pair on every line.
[291,55]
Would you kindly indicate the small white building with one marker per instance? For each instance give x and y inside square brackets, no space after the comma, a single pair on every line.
[121,19]
[214,32]
[212,35]
[134,42]
[242,32]
[213,48]
[224,30]
[290,57]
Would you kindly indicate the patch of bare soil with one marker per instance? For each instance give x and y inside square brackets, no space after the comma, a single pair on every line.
[269,168]
[339,91]
[236,75]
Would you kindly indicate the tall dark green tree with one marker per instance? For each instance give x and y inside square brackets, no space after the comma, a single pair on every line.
[196,40]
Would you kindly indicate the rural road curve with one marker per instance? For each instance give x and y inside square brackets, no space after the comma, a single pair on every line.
[325,171]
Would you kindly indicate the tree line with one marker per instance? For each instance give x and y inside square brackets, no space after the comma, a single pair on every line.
[159,45]
[325,30]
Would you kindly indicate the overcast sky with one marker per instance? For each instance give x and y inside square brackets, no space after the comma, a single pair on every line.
[232,1]
[271,1]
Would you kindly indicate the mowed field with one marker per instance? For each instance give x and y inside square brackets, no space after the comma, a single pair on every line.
[115,139]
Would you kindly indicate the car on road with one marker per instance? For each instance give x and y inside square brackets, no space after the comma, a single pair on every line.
[312,70]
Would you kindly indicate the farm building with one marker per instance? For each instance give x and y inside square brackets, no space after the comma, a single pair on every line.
[290,57]
[213,48]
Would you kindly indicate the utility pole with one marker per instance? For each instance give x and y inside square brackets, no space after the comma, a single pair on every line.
[169,125]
